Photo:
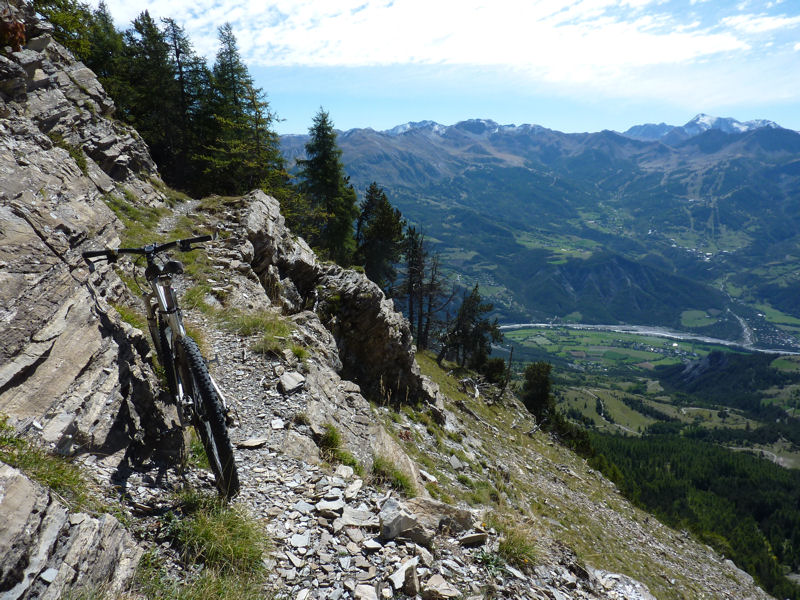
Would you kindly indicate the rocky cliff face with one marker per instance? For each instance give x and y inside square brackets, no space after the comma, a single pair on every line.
[72,374]
[374,341]
[70,367]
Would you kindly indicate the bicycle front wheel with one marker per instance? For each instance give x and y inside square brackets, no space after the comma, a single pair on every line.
[209,419]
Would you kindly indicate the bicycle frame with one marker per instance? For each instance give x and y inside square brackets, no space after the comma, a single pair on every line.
[163,301]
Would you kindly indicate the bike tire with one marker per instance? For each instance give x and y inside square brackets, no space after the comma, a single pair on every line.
[167,359]
[209,418]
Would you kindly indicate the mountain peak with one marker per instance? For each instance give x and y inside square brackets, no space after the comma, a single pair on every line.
[413,126]
[729,125]
[701,123]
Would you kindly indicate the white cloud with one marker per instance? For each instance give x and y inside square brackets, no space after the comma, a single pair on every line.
[754,24]
[604,45]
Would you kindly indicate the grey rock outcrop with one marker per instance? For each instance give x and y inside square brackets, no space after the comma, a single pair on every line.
[48,552]
[67,361]
[73,376]
[373,339]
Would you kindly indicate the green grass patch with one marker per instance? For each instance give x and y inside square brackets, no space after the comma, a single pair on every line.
[788,364]
[172,196]
[195,297]
[224,541]
[386,473]
[331,450]
[140,221]
[273,331]
[300,352]
[221,536]
[74,151]
[131,316]
[197,453]
[54,472]
[515,546]
[773,315]
[696,318]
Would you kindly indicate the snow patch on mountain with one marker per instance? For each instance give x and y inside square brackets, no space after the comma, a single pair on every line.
[433,126]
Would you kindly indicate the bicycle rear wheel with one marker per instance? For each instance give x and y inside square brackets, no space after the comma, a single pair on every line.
[209,418]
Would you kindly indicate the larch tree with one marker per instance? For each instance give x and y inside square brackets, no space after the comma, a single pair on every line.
[244,152]
[152,107]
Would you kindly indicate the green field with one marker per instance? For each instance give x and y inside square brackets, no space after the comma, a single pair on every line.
[609,381]
[593,350]
[696,318]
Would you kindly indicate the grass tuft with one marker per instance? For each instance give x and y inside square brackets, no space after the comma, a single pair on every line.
[271,328]
[223,537]
[386,473]
[515,546]
[54,472]
[139,222]
[74,151]
[330,447]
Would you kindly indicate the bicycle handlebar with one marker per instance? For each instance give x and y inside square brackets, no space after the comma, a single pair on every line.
[150,250]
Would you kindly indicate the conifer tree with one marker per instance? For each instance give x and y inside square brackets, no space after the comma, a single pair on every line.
[470,335]
[535,393]
[379,237]
[244,152]
[152,106]
[70,20]
[193,84]
[105,50]
[323,180]
[413,287]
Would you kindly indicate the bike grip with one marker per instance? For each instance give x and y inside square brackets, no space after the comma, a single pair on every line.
[92,253]
[198,239]
[186,245]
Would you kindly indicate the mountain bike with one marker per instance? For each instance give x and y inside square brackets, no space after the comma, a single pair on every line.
[196,394]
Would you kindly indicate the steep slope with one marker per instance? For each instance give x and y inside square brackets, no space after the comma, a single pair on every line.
[72,374]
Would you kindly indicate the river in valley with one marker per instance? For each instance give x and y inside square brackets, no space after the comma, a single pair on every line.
[646,330]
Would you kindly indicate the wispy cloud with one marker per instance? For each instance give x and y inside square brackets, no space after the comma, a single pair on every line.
[761,23]
[602,44]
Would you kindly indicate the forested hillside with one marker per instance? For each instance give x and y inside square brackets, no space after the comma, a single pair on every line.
[600,227]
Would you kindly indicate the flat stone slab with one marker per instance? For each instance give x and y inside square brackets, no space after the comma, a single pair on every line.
[253,443]
[290,382]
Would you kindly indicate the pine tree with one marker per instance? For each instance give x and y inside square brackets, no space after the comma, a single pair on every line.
[470,335]
[535,393]
[413,286]
[379,237]
[152,107]
[323,180]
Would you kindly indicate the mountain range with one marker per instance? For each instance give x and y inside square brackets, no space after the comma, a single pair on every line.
[684,227]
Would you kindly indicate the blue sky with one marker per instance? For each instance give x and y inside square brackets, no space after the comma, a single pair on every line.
[571,65]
